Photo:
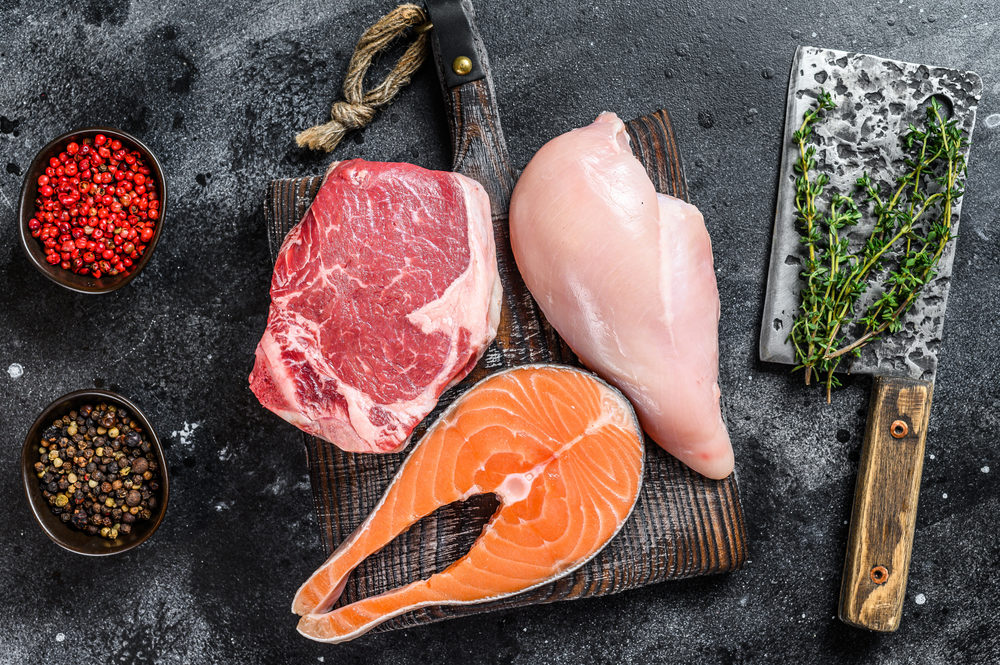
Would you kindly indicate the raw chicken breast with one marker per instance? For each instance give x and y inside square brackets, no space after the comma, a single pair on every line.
[625,275]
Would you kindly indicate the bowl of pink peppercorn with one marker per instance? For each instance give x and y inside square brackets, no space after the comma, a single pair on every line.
[92,209]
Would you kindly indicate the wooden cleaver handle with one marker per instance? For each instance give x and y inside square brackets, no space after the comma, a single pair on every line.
[885,504]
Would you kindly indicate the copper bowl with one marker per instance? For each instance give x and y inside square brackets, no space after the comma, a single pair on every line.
[29,192]
[65,535]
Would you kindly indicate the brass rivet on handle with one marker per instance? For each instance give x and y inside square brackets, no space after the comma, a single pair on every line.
[899,429]
[880,574]
[462,65]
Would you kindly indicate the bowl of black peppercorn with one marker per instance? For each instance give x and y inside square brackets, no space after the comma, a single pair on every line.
[94,473]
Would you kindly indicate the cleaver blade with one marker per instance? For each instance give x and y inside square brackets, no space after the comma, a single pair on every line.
[876,100]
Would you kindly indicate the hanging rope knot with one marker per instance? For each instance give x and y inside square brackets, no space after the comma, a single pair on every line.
[359,107]
[350,115]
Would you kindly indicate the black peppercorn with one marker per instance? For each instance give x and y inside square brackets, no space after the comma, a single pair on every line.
[140,465]
[97,472]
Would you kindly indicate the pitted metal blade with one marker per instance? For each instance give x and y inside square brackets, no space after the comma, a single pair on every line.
[876,100]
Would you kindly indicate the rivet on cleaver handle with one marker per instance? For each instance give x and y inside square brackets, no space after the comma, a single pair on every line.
[885,504]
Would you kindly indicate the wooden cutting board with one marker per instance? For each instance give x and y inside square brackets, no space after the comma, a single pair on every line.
[683,525]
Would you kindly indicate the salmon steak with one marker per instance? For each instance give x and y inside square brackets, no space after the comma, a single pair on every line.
[560,449]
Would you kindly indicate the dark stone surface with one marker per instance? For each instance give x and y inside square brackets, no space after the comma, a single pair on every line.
[219,88]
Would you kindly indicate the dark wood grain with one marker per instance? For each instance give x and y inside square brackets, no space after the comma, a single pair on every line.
[683,525]
[885,504]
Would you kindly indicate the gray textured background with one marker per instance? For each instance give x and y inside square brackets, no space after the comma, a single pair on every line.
[218,89]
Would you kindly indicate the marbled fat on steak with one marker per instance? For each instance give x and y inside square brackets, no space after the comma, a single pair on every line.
[383,296]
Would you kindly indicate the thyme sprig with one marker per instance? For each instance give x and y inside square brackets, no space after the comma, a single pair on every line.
[911,228]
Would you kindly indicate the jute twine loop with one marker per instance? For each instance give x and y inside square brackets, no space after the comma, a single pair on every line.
[358,107]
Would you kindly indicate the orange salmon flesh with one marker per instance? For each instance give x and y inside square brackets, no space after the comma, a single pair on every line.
[563,453]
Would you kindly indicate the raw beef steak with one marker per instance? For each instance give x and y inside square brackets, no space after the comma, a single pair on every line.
[383,296]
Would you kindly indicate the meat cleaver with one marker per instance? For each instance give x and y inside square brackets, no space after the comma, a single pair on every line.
[876,100]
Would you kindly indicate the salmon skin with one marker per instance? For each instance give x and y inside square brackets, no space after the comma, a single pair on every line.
[563,453]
